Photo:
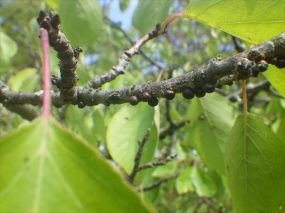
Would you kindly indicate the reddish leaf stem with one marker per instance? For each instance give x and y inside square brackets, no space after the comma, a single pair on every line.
[170,19]
[46,84]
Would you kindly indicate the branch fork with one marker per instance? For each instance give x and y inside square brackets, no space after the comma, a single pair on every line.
[198,82]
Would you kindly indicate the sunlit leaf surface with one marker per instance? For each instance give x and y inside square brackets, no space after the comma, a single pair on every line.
[49,170]
[127,127]
[211,120]
[255,167]
[253,21]
[148,13]
[81,21]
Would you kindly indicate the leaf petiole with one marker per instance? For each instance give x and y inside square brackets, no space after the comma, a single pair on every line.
[46,85]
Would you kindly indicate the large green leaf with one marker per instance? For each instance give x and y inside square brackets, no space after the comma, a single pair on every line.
[280,131]
[276,78]
[211,119]
[253,21]
[44,168]
[127,127]
[255,159]
[148,13]
[8,48]
[81,21]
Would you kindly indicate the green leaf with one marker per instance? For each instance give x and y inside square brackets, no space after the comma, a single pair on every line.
[183,182]
[181,154]
[253,21]
[168,169]
[124,4]
[99,127]
[24,80]
[44,168]
[248,20]
[78,120]
[203,182]
[53,4]
[276,78]
[275,114]
[126,128]
[86,124]
[255,160]
[148,13]
[8,48]
[211,119]
[280,131]
[81,21]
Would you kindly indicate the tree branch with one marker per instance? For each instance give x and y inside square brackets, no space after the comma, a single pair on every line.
[9,97]
[129,39]
[25,111]
[197,82]
[252,90]
[171,129]
[157,184]
[123,61]
[67,56]
[139,156]
[157,163]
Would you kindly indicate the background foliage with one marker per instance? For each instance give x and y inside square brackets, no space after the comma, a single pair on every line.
[225,161]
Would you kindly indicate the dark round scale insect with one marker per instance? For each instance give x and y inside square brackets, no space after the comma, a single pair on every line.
[199,92]
[146,96]
[133,100]
[169,94]
[153,101]
[81,104]
[209,88]
[187,93]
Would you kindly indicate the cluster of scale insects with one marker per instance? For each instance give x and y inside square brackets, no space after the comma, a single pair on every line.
[187,93]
